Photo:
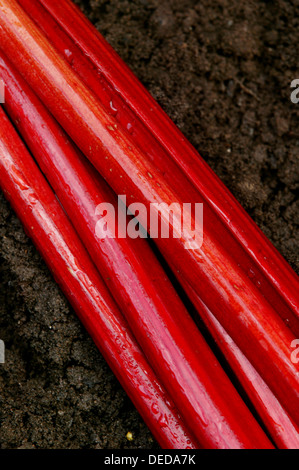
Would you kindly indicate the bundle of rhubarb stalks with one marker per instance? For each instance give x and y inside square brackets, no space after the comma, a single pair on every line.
[77,129]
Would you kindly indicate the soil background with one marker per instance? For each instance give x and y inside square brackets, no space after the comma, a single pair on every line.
[222,70]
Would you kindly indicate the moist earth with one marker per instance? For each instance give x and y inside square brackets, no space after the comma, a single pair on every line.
[222,70]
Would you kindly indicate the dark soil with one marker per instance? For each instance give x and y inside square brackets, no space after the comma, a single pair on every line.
[222,71]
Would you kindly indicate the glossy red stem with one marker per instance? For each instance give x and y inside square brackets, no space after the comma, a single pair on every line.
[46,223]
[277,421]
[266,267]
[281,428]
[243,312]
[158,319]
[95,77]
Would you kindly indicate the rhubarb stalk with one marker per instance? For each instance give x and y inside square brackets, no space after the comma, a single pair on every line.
[118,107]
[281,428]
[146,112]
[158,319]
[46,223]
[243,312]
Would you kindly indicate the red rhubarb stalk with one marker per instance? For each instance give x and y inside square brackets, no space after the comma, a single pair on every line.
[117,106]
[136,106]
[51,231]
[242,310]
[158,319]
[285,436]
[281,428]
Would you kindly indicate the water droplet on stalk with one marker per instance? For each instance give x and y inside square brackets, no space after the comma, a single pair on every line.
[130,127]
[113,108]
